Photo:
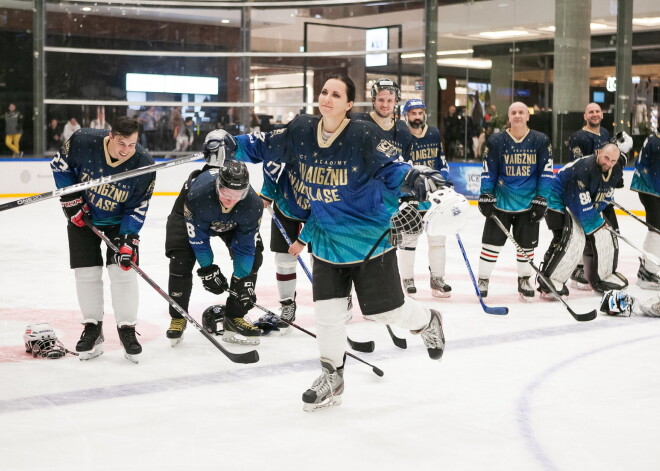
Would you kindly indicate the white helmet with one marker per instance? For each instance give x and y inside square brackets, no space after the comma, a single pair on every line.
[40,340]
[617,303]
[448,213]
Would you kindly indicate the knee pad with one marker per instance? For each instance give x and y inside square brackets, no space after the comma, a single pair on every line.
[89,289]
[331,328]
[413,315]
[125,297]
[564,254]
[600,261]
[285,263]
[182,263]
[437,240]
[409,241]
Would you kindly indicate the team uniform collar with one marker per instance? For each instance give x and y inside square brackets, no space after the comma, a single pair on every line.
[375,117]
[517,141]
[331,139]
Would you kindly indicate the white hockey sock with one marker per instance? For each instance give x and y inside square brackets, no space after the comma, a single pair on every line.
[89,289]
[524,268]
[652,246]
[285,273]
[437,255]
[331,329]
[487,259]
[413,315]
[124,291]
[406,260]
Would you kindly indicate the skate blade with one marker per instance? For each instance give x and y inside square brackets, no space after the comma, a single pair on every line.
[436,293]
[133,358]
[233,337]
[331,402]
[648,285]
[547,296]
[91,354]
[526,299]
[580,286]
[175,342]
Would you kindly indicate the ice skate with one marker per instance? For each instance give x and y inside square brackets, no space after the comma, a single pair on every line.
[409,286]
[90,344]
[646,279]
[525,289]
[175,332]
[433,336]
[326,390]
[240,331]
[546,292]
[483,287]
[439,288]
[579,279]
[132,347]
[287,313]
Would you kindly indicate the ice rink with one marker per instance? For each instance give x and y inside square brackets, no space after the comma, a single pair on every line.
[533,390]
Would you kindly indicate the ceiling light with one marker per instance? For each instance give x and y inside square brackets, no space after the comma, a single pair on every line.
[453,52]
[86,9]
[592,27]
[655,21]
[224,21]
[512,33]
[466,62]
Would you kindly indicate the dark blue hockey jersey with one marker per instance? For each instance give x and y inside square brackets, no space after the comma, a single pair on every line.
[352,182]
[279,187]
[585,142]
[84,157]
[517,170]
[581,187]
[206,217]
[398,133]
[647,169]
[426,149]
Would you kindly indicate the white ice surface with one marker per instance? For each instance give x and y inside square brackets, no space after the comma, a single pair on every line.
[534,390]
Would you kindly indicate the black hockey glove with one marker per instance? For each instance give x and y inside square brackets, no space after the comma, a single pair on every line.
[422,180]
[213,279]
[244,289]
[128,250]
[539,207]
[75,208]
[487,204]
[218,145]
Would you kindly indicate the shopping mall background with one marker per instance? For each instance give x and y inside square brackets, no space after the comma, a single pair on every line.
[247,65]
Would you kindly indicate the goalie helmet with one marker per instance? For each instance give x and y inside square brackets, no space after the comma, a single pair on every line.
[407,221]
[212,316]
[617,303]
[41,341]
[448,213]
[385,84]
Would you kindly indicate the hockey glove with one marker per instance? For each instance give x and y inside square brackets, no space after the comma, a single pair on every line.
[213,279]
[539,207]
[422,180]
[128,250]
[623,141]
[218,145]
[75,208]
[487,204]
[244,289]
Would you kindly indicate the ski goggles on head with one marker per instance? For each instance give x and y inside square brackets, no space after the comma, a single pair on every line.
[232,195]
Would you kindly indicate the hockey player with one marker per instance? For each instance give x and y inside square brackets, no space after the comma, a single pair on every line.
[515,181]
[385,95]
[426,150]
[353,181]
[591,137]
[118,209]
[216,202]
[580,191]
[646,182]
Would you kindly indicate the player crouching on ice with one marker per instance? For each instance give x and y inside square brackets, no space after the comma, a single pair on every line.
[580,191]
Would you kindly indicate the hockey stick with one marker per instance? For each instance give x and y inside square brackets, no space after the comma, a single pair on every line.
[99,181]
[247,357]
[500,311]
[375,369]
[651,228]
[646,255]
[578,317]
[365,347]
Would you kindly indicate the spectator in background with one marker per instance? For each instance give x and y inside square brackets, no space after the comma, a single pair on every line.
[185,135]
[149,123]
[100,122]
[13,130]
[69,128]
[53,135]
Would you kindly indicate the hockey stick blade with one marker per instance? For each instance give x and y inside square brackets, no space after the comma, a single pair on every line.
[498,311]
[364,347]
[98,182]
[247,357]
[399,342]
[589,316]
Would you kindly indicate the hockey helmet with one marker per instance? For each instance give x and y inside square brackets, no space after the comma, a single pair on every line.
[412,104]
[405,224]
[448,213]
[385,84]
[212,316]
[233,181]
[41,341]
[617,303]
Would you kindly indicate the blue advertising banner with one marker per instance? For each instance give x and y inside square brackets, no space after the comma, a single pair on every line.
[466,179]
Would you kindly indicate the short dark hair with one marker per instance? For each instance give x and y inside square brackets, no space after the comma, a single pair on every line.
[124,126]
